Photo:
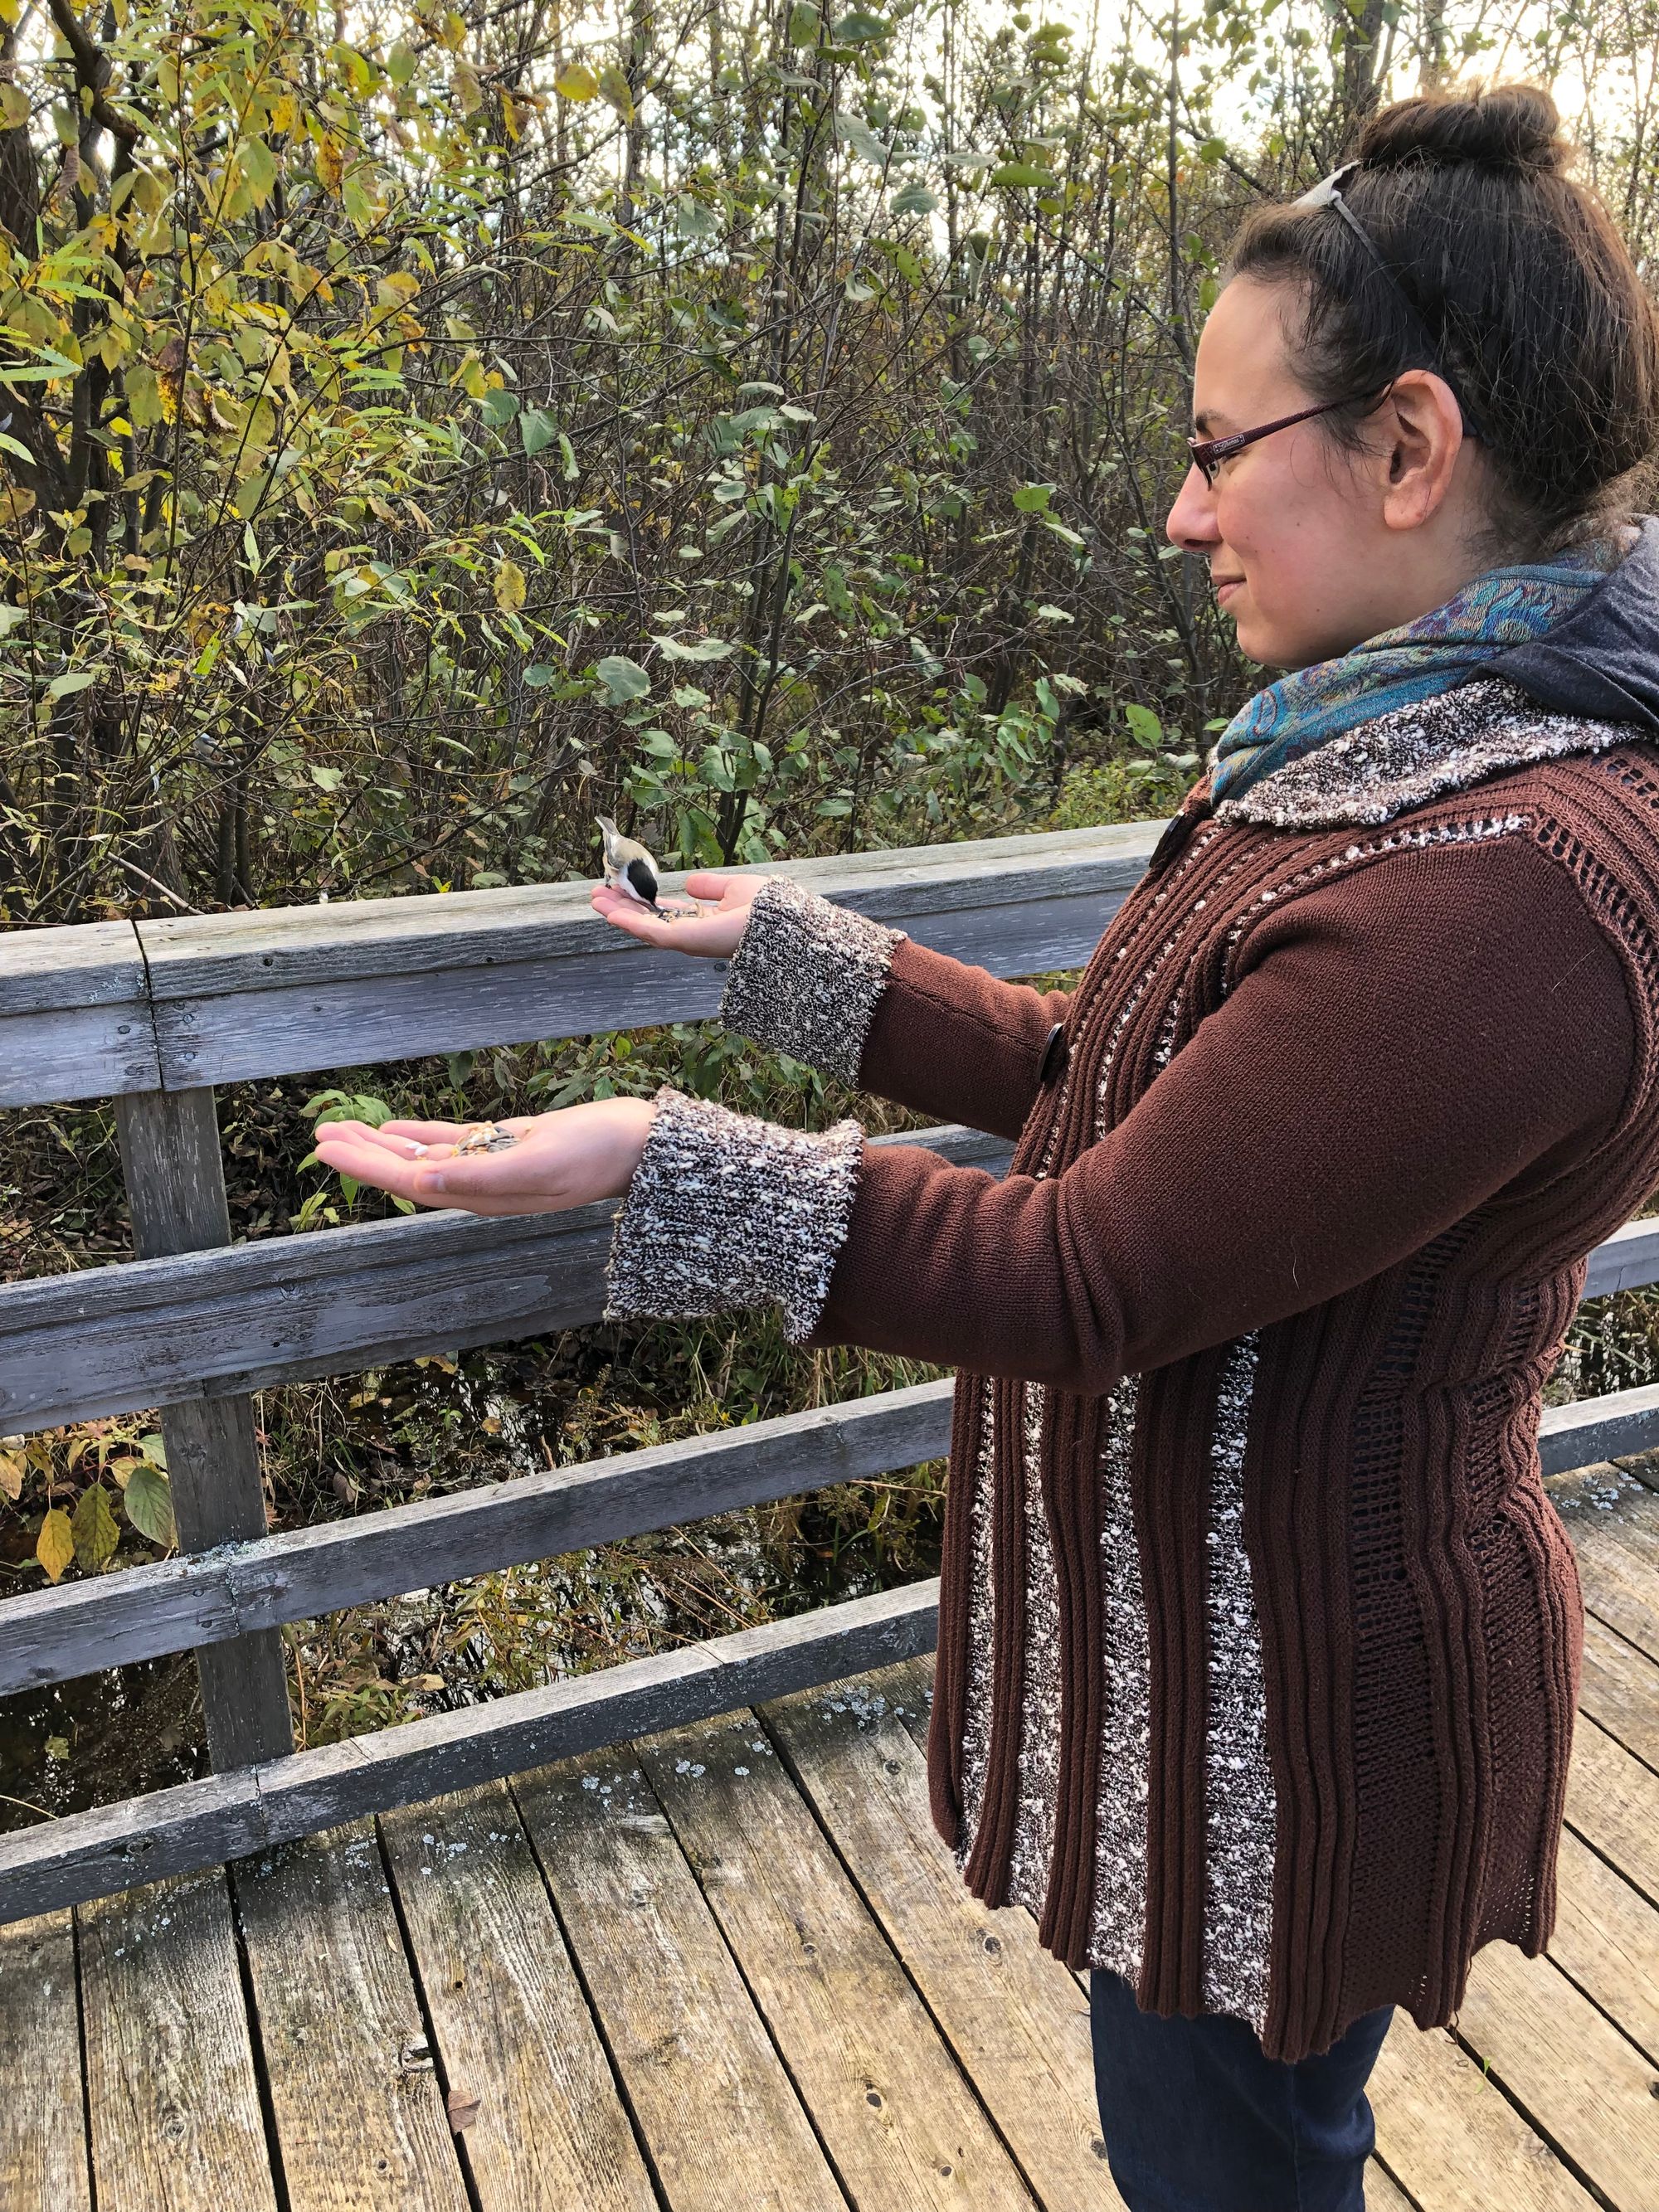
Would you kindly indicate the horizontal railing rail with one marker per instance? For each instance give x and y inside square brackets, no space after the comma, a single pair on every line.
[153,1014]
[209,1324]
[109,1008]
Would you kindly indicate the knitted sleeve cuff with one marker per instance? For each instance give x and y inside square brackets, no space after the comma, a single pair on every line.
[807,977]
[725,1212]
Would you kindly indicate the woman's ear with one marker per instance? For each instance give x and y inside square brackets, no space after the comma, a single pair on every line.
[1422,429]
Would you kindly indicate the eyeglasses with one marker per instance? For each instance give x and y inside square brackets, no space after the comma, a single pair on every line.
[1208,453]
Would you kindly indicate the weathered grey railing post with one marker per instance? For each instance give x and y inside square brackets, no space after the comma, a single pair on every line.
[176,1189]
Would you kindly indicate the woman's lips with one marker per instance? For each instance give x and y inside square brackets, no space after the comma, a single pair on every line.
[1222,590]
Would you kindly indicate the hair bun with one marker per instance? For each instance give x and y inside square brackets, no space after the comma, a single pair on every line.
[1511,126]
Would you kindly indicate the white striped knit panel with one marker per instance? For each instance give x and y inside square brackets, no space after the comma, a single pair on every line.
[1238,1875]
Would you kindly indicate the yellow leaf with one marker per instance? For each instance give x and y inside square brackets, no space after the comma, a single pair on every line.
[55,1545]
[93,1529]
[615,89]
[452,31]
[509,587]
[284,113]
[469,93]
[13,1466]
[575,82]
[15,503]
[515,113]
[330,164]
[13,107]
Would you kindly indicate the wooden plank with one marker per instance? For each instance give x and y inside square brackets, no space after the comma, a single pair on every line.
[302,987]
[43,2118]
[1578,2081]
[1450,2138]
[1612,1802]
[55,1634]
[286,989]
[176,1193]
[74,1020]
[166,1331]
[903,2129]
[358,2107]
[1607,1938]
[1628,1259]
[1017,2022]
[1597,1429]
[1618,1553]
[216,1322]
[1383,2193]
[200,1823]
[721,2122]
[1620,1688]
[171,2090]
[529,2086]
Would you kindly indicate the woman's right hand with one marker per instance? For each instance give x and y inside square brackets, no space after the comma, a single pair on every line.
[711,935]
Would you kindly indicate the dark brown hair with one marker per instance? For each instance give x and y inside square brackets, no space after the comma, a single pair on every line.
[1522,277]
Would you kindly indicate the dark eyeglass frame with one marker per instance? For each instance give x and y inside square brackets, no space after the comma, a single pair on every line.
[1208,453]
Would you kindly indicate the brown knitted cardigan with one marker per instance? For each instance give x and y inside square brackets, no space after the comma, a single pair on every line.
[1259,1638]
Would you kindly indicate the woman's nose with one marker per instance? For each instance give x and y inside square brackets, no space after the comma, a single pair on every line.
[1191,523]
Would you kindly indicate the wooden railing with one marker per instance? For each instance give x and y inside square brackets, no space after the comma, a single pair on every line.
[154,1014]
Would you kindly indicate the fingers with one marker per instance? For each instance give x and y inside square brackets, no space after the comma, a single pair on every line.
[351,1151]
[425,1133]
[703,885]
[625,913]
[389,1138]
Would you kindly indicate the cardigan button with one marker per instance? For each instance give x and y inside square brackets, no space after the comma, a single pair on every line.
[1056,1054]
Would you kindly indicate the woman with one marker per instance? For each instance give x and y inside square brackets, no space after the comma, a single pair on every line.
[1259,1638]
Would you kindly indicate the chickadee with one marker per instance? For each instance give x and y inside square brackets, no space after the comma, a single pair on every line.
[628,868]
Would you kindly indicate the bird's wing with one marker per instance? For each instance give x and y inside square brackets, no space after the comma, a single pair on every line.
[643,879]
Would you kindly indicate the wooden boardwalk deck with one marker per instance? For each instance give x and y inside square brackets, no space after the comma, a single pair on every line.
[732,1969]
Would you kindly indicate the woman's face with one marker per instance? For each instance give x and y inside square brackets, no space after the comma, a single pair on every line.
[1312,550]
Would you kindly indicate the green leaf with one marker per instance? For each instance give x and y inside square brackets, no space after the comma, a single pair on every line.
[61,687]
[539,676]
[149,1501]
[616,91]
[711,648]
[1145,725]
[1033,498]
[624,679]
[500,406]
[400,64]
[256,163]
[536,429]
[693,220]
[326,779]
[852,30]
[915,199]
[144,398]
[1021,173]
[93,1528]
[804,24]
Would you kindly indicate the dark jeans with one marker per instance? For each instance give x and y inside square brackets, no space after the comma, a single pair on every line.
[1196,2119]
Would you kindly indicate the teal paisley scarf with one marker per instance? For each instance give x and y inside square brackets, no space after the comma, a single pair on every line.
[1440,649]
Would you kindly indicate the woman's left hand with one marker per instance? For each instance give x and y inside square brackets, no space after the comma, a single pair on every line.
[573,1157]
